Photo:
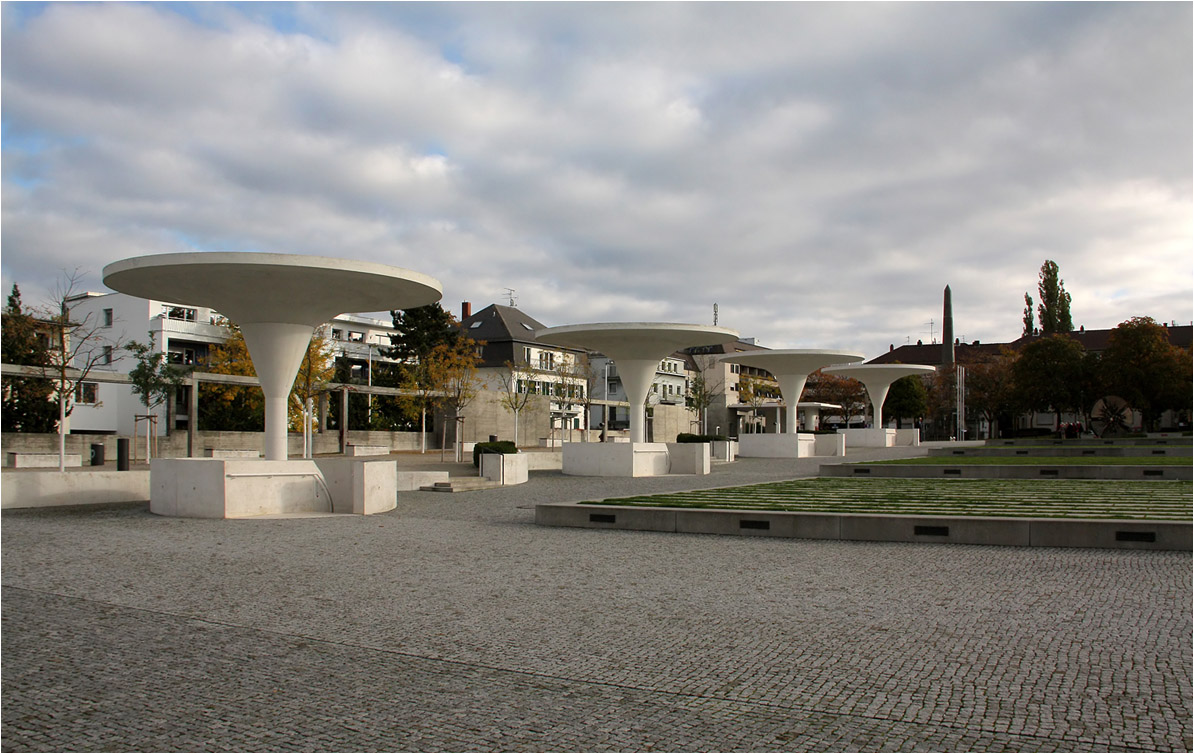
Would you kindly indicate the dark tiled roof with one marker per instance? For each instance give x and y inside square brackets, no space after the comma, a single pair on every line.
[496,323]
[933,354]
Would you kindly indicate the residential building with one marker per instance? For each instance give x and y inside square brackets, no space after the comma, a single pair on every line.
[668,388]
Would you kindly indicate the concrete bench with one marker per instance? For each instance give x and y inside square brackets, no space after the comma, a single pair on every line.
[230,453]
[367,450]
[20,460]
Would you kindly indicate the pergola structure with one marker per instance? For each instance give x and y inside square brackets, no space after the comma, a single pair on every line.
[637,348]
[277,300]
[877,379]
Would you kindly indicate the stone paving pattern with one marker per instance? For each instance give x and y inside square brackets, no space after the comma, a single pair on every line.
[456,624]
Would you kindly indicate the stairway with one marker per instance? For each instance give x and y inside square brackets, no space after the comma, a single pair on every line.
[462,484]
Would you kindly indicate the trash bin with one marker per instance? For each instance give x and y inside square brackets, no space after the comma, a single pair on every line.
[122,454]
[97,454]
[493,438]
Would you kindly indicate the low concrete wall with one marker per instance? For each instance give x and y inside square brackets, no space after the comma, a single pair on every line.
[231,488]
[228,453]
[1099,451]
[410,481]
[1131,535]
[44,489]
[42,460]
[906,438]
[770,445]
[977,471]
[367,450]
[360,486]
[616,459]
[544,461]
[504,468]
[829,445]
[869,438]
[725,450]
[689,458]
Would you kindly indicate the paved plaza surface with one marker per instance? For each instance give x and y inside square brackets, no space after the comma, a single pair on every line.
[455,623]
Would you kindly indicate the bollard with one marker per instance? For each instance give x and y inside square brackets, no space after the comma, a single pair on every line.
[122,454]
[97,454]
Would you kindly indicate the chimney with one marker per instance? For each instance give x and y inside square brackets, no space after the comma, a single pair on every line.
[466,310]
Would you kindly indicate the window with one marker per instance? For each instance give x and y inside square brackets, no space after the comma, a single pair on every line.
[87,392]
[356,337]
[547,360]
[107,357]
[475,325]
[107,317]
[180,313]
[526,355]
[337,334]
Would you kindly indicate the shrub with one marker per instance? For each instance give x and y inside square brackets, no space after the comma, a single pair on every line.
[502,447]
[689,437]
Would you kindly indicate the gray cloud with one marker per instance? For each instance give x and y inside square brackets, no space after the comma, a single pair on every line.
[821,171]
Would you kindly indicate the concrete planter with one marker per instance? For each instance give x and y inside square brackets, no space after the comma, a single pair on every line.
[504,468]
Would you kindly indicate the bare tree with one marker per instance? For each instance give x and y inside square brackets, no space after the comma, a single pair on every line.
[516,394]
[704,389]
[77,347]
[575,378]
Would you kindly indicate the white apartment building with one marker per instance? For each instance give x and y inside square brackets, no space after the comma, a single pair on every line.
[669,387]
[186,333]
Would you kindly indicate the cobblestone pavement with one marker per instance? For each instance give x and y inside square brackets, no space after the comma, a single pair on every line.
[454,623]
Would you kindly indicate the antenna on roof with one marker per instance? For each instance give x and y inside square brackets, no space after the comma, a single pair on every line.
[511,297]
[715,315]
[932,332]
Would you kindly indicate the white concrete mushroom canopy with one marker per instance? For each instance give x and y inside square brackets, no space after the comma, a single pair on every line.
[278,300]
[877,379]
[636,348]
[791,369]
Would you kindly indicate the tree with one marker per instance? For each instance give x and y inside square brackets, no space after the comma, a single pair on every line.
[457,367]
[990,388]
[1048,374]
[703,390]
[1142,367]
[234,408]
[846,392]
[576,378]
[515,395]
[906,398]
[315,372]
[1029,320]
[420,330]
[753,391]
[76,347]
[1053,311]
[154,378]
[28,404]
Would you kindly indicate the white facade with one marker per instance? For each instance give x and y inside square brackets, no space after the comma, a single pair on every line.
[186,333]
[669,387]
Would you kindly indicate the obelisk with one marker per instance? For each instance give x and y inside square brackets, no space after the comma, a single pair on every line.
[947,330]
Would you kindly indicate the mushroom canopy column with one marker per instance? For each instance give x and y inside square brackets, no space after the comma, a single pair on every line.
[277,300]
[636,348]
[877,379]
[791,369]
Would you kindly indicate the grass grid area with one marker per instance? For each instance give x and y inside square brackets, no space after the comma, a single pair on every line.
[1124,500]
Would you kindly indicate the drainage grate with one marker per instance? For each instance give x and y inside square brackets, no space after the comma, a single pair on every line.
[1135,536]
[603,518]
[748,524]
[1049,472]
[931,531]
[862,471]
[1021,452]
[952,472]
[1154,472]
[1088,452]
[1158,452]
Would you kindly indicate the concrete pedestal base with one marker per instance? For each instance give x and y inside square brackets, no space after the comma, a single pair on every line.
[616,459]
[776,446]
[869,438]
[235,488]
[505,468]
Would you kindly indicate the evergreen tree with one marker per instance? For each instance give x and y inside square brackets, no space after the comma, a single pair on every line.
[1029,320]
[420,330]
[1054,309]
[28,404]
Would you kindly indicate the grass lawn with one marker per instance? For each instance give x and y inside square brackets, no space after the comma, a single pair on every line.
[1166,501]
[1040,461]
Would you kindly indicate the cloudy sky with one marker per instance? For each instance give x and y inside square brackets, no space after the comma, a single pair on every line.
[819,171]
